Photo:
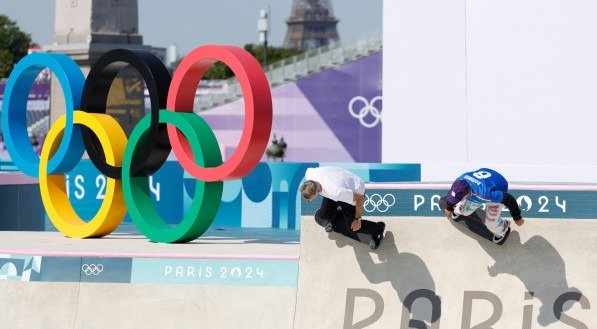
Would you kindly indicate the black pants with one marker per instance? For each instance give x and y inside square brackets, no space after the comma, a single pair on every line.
[342,219]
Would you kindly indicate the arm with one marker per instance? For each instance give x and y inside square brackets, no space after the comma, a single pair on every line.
[512,205]
[359,200]
[449,211]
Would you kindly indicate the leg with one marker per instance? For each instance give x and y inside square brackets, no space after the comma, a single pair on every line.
[466,207]
[327,223]
[372,231]
[367,227]
[328,215]
[493,221]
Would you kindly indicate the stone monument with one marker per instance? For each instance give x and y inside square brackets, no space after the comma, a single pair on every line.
[85,30]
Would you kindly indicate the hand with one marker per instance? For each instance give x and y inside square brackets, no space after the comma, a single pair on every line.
[519,222]
[356,225]
[448,213]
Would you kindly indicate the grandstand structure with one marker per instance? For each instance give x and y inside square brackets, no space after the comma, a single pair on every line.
[38,121]
[296,67]
[279,73]
[38,106]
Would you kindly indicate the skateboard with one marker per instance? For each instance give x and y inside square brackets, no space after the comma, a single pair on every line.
[475,223]
[326,223]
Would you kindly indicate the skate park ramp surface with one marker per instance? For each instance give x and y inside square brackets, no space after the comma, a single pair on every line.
[430,272]
[226,279]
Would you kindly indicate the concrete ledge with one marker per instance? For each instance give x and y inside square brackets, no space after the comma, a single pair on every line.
[226,279]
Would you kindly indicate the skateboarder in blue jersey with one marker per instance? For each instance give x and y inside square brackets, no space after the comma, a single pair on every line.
[483,186]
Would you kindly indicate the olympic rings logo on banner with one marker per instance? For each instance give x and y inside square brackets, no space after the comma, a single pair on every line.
[379,203]
[170,125]
[368,109]
[92,269]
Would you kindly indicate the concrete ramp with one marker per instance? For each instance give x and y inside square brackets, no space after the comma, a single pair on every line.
[112,305]
[226,279]
[432,273]
[428,273]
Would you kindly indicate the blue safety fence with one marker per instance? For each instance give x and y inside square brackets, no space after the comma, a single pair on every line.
[267,197]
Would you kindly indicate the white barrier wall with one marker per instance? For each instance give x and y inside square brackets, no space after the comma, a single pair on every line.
[506,84]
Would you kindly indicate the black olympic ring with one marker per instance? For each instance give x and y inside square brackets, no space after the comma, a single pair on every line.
[156,146]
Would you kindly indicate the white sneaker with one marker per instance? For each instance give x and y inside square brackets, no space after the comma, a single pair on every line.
[497,239]
[505,224]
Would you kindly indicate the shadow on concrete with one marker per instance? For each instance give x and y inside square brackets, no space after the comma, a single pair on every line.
[228,236]
[244,235]
[537,264]
[250,235]
[408,275]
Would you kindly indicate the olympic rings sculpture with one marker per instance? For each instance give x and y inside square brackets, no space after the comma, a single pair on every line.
[170,125]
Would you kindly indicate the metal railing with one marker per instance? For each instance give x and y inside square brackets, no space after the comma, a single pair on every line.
[296,67]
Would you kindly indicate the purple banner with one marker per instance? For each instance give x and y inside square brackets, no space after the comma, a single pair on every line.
[348,98]
[330,116]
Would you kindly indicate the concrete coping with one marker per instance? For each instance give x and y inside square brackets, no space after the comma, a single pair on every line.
[512,186]
[247,244]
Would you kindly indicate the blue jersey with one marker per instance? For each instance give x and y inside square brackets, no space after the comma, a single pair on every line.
[487,185]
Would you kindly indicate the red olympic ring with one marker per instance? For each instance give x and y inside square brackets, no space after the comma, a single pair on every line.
[258,109]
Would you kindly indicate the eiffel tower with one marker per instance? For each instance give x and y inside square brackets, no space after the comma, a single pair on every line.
[311,24]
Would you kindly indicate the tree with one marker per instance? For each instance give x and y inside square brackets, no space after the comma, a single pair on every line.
[220,71]
[274,54]
[14,45]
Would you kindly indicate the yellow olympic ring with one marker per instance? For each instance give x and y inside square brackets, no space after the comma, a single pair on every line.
[53,190]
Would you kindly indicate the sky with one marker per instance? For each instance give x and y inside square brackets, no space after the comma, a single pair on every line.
[192,23]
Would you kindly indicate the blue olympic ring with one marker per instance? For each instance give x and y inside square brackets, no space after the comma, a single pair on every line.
[14,112]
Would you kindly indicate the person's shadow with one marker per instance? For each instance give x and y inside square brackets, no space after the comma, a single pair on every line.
[537,264]
[408,275]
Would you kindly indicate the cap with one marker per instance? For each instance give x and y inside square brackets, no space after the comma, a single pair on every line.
[459,189]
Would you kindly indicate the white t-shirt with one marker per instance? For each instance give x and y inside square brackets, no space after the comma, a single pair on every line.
[336,183]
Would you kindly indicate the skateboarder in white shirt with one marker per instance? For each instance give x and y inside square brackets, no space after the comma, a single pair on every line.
[341,189]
